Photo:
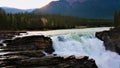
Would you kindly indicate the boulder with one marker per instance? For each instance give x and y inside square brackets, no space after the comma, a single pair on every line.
[30,43]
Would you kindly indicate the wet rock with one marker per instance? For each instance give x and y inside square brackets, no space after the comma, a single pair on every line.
[44,61]
[9,67]
[36,53]
[1,44]
[49,62]
[30,43]
[111,39]
[8,35]
[61,38]
[11,60]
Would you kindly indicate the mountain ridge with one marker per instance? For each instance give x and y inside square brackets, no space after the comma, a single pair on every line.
[15,10]
[86,9]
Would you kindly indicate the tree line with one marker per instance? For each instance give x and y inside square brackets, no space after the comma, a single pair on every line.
[39,21]
[117,19]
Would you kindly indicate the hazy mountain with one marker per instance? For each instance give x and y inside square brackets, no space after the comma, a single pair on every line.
[15,10]
[1,10]
[82,8]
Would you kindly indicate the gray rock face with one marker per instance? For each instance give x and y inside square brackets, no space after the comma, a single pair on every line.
[111,39]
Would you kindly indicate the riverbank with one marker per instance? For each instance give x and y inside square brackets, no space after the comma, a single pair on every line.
[111,39]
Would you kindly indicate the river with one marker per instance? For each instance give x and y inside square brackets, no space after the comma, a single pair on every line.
[81,42]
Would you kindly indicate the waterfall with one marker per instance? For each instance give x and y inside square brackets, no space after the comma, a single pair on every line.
[85,45]
[80,42]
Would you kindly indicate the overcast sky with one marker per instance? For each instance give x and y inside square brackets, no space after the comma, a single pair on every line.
[24,4]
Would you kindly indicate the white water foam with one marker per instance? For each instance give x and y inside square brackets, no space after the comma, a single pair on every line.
[63,31]
[85,45]
[1,41]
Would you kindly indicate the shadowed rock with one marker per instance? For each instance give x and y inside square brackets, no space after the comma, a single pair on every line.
[30,43]
[26,53]
[8,35]
[111,39]
[49,61]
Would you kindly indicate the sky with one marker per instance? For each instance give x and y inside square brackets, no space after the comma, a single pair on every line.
[24,4]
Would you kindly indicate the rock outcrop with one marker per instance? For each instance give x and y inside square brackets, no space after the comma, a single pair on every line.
[16,61]
[30,43]
[8,35]
[30,52]
[111,39]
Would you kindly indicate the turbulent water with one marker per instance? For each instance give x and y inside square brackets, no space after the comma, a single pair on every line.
[81,42]
[85,45]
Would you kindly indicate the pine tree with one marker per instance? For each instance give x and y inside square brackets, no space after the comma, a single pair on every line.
[117,19]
